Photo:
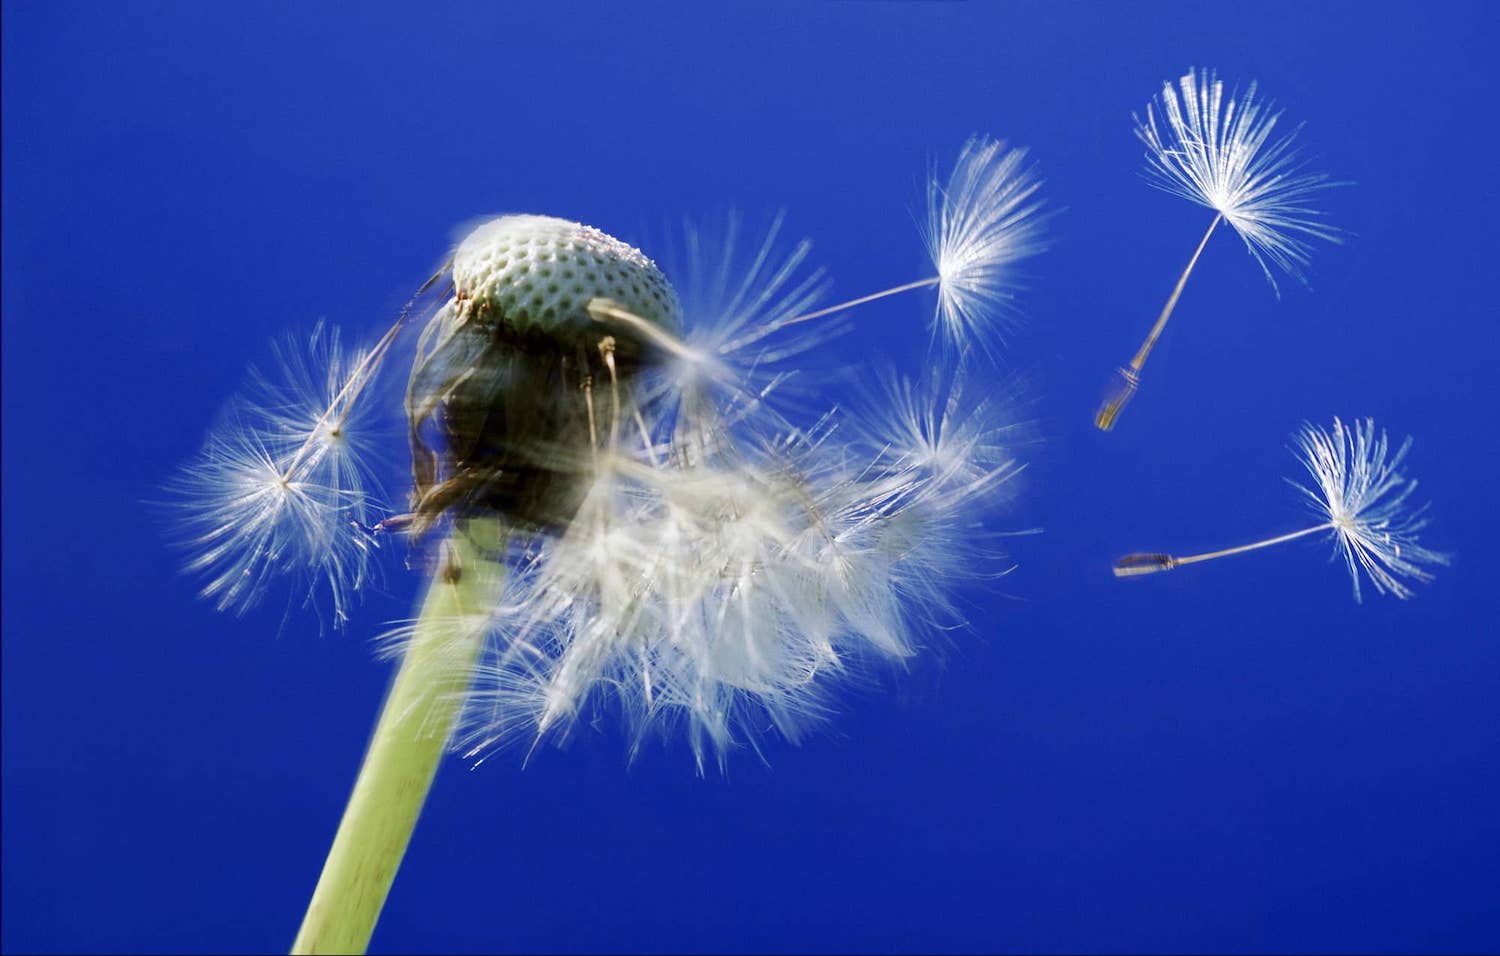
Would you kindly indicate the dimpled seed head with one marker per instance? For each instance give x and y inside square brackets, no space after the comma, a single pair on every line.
[537,274]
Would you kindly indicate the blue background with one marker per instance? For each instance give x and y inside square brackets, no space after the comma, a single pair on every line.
[1232,757]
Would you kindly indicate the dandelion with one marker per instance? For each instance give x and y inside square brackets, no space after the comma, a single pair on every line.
[622,514]
[501,449]
[1358,488]
[1220,152]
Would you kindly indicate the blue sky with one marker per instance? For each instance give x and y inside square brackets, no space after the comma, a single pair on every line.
[1234,757]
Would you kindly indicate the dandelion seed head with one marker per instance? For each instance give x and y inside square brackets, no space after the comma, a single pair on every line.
[1357,486]
[981,220]
[678,550]
[1222,152]
[722,567]
[724,592]
[500,399]
[536,273]
[715,599]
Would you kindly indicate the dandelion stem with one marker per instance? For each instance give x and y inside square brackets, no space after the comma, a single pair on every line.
[404,751]
[1135,565]
[1130,376]
[919,284]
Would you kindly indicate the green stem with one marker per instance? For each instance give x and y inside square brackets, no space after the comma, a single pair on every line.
[404,752]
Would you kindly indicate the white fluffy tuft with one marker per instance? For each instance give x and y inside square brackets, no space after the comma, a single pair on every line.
[283,483]
[982,220]
[1358,487]
[1218,151]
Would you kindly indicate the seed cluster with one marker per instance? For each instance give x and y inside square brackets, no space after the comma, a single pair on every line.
[537,274]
